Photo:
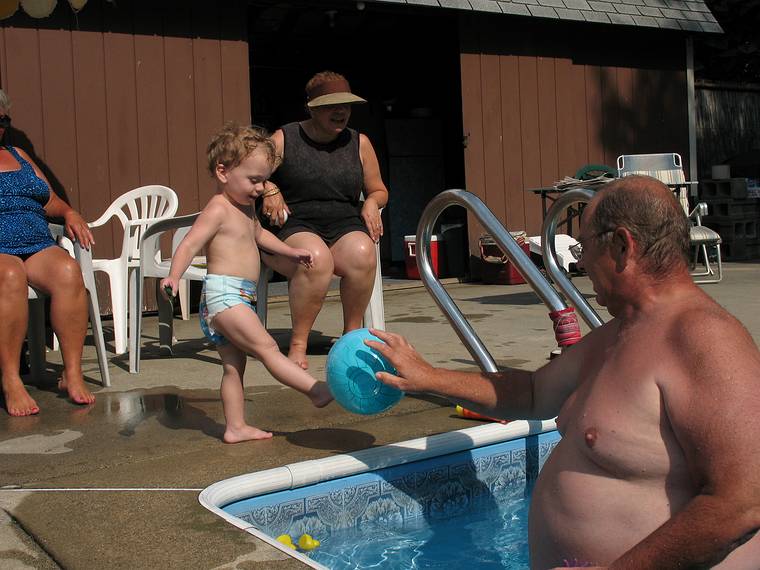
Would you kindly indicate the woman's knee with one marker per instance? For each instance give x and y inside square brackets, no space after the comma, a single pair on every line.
[13,278]
[67,277]
[361,258]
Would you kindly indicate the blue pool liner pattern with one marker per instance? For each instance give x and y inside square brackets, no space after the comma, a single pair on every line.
[434,489]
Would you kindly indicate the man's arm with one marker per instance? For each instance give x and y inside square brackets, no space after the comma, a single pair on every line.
[512,394]
[712,405]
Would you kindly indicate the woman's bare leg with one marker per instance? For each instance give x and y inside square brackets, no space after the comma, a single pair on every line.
[355,263]
[233,397]
[307,288]
[55,272]
[14,314]
[242,327]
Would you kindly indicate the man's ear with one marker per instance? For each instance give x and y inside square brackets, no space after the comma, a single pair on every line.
[221,172]
[622,247]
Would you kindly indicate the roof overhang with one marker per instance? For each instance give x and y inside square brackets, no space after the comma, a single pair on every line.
[682,15]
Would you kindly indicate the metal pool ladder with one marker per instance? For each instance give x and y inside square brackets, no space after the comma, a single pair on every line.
[515,254]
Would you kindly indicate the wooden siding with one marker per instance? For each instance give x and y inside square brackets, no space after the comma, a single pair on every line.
[123,95]
[542,100]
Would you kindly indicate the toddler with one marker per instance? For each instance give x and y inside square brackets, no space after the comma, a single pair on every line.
[241,160]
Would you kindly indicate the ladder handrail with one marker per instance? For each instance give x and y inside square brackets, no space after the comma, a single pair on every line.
[504,239]
[549,252]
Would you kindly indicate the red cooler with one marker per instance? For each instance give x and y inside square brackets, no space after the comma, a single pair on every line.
[410,246]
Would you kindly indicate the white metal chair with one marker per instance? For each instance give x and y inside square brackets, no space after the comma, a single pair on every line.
[36,328]
[135,210]
[667,167]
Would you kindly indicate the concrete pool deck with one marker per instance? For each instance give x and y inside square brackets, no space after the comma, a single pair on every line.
[115,485]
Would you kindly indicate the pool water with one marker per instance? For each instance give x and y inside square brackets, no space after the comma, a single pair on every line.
[464,509]
[491,539]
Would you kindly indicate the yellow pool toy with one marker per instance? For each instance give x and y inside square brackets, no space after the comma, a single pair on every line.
[306,542]
[286,540]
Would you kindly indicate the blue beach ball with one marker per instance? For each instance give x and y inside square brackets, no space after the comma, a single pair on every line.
[351,368]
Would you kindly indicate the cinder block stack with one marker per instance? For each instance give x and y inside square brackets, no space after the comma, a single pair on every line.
[734,212]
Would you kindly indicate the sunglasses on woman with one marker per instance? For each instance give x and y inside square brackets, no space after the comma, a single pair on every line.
[5,121]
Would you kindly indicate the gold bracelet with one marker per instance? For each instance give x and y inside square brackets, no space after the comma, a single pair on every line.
[269,193]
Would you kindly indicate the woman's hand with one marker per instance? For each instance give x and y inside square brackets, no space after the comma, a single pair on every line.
[372,219]
[77,229]
[274,206]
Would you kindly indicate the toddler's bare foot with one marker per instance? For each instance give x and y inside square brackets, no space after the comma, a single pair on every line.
[18,402]
[320,395]
[244,433]
[74,385]
[298,355]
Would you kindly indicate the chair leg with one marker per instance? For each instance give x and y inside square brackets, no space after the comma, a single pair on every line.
[36,336]
[119,290]
[184,298]
[97,336]
[165,322]
[709,270]
[135,322]
[374,315]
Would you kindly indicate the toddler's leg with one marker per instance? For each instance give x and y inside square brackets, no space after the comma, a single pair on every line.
[242,327]
[233,400]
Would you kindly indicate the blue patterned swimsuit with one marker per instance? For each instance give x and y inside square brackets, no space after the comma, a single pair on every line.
[23,195]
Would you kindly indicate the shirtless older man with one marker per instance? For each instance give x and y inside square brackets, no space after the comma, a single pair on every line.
[659,463]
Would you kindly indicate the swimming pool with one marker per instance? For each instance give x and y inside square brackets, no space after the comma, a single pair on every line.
[421,502]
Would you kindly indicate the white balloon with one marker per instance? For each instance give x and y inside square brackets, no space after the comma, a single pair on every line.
[77,5]
[39,8]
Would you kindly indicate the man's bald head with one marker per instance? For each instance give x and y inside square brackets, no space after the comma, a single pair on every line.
[649,210]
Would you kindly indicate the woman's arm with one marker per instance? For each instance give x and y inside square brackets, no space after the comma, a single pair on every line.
[375,192]
[273,205]
[76,227]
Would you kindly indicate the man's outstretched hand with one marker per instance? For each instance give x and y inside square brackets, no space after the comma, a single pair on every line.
[414,373]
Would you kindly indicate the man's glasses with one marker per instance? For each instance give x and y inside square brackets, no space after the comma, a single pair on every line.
[5,121]
[576,250]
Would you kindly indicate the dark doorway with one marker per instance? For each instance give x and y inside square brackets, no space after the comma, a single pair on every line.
[404,61]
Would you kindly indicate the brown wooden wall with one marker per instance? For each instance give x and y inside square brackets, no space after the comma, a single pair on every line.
[125,94]
[540,100]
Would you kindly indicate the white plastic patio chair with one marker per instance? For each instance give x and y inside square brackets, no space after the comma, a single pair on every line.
[135,210]
[667,168]
[36,327]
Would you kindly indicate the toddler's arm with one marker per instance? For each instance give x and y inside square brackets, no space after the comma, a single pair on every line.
[267,241]
[204,228]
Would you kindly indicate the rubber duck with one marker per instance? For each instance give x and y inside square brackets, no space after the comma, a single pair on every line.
[306,542]
[286,540]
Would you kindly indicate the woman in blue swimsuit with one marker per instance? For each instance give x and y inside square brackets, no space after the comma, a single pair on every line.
[29,255]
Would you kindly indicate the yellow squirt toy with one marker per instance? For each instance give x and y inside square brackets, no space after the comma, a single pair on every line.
[306,542]
[286,540]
